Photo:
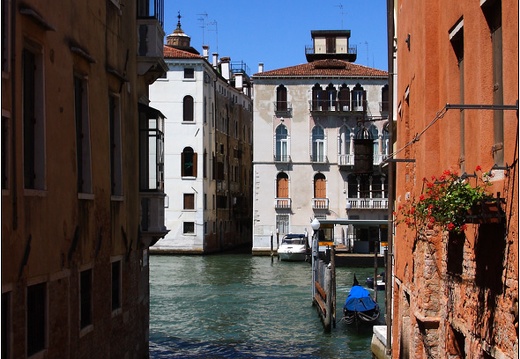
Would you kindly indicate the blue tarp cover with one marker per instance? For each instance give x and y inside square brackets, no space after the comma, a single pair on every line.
[359,300]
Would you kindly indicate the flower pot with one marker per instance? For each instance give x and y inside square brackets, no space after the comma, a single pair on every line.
[486,212]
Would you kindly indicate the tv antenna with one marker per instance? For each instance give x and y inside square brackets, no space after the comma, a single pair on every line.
[203,17]
[342,14]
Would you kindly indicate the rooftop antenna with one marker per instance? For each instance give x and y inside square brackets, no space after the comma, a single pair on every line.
[203,26]
[342,14]
[214,22]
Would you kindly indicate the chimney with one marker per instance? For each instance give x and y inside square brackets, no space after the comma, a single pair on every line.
[225,70]
[239,80]
[260,67]
[205,51]
[215,60]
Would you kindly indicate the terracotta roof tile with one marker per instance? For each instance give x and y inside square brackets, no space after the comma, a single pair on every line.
[324,68]
[174,53]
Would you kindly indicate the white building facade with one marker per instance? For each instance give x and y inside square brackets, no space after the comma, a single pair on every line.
[307,120]
[208,123]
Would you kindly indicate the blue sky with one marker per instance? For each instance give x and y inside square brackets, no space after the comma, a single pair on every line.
[275,32]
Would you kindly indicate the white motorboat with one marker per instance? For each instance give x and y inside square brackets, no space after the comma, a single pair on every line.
[294,247]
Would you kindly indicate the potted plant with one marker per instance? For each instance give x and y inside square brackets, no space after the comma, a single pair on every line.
[449,202]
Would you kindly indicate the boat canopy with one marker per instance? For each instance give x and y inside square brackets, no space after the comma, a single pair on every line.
[359,300]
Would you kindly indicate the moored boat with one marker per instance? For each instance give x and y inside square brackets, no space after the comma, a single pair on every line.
[293,247]
[359,306]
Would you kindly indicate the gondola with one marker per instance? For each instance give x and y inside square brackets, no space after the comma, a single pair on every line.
[359,306]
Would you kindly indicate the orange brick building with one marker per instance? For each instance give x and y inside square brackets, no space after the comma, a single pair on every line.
[456,109]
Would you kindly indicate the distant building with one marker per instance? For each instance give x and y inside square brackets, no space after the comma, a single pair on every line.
[307,120]
[208,149]
[82,196]
[456,295]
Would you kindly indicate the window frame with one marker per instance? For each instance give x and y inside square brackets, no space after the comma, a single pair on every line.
[33,122]
[186,230]
[188,109]
[83,140]
[188,198]
[37,340]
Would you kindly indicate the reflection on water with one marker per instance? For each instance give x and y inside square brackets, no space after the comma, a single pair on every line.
[243,306]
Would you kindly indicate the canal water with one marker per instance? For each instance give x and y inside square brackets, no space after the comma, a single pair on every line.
[244,306]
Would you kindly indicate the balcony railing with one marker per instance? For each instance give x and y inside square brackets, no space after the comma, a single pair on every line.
[348,160]
[282,158]
[319,158]
[282,203]
[283,108]
[320,203]
[337,106]
[367,203]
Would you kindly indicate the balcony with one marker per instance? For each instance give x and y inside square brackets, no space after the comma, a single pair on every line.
[320,203]
[282,203]
[345,160]
[367,203]
[150,39]
[283,108]
[319,158]
[343,107]
[282,158]
[152,217]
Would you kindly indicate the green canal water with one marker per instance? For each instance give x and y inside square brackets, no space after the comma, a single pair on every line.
[244,306]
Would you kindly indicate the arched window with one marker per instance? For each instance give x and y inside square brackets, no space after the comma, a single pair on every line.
[317,97]
[374,134]
[320,200]
[358,98]
[282,185]
[318,144]
[344,146]
[320,186]
[187,108]
[344,98]
[331,97]
[188,162]
[281,150]
[281,98]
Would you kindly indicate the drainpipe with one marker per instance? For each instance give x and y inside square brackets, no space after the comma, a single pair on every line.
[391,177]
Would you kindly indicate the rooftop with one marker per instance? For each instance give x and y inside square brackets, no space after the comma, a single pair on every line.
[324,68]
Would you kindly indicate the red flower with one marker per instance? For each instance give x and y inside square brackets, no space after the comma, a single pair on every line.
[450,226]
[421,197]
[430,185]
[478,168]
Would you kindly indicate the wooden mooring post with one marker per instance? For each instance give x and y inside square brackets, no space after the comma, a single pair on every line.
[324,285]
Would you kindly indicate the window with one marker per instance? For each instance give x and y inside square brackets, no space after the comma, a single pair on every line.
[331,97]
[189,201]
[36,318]
[281,98]
[189,73]
[151,148]
[6,325]
[116,168]
[344,143]
[374,134]
[188,228]
[456,35]
[85,305]
[316,97]
[33,119]
[189,163]
[281,144]
[81,114]
[492,10]
[344,98]
[320,186]
[5,152]
[282,185]
[318,144]
[358,98]
[6,22]
[187,109]
[384,98]
[282,224]
[116,285]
